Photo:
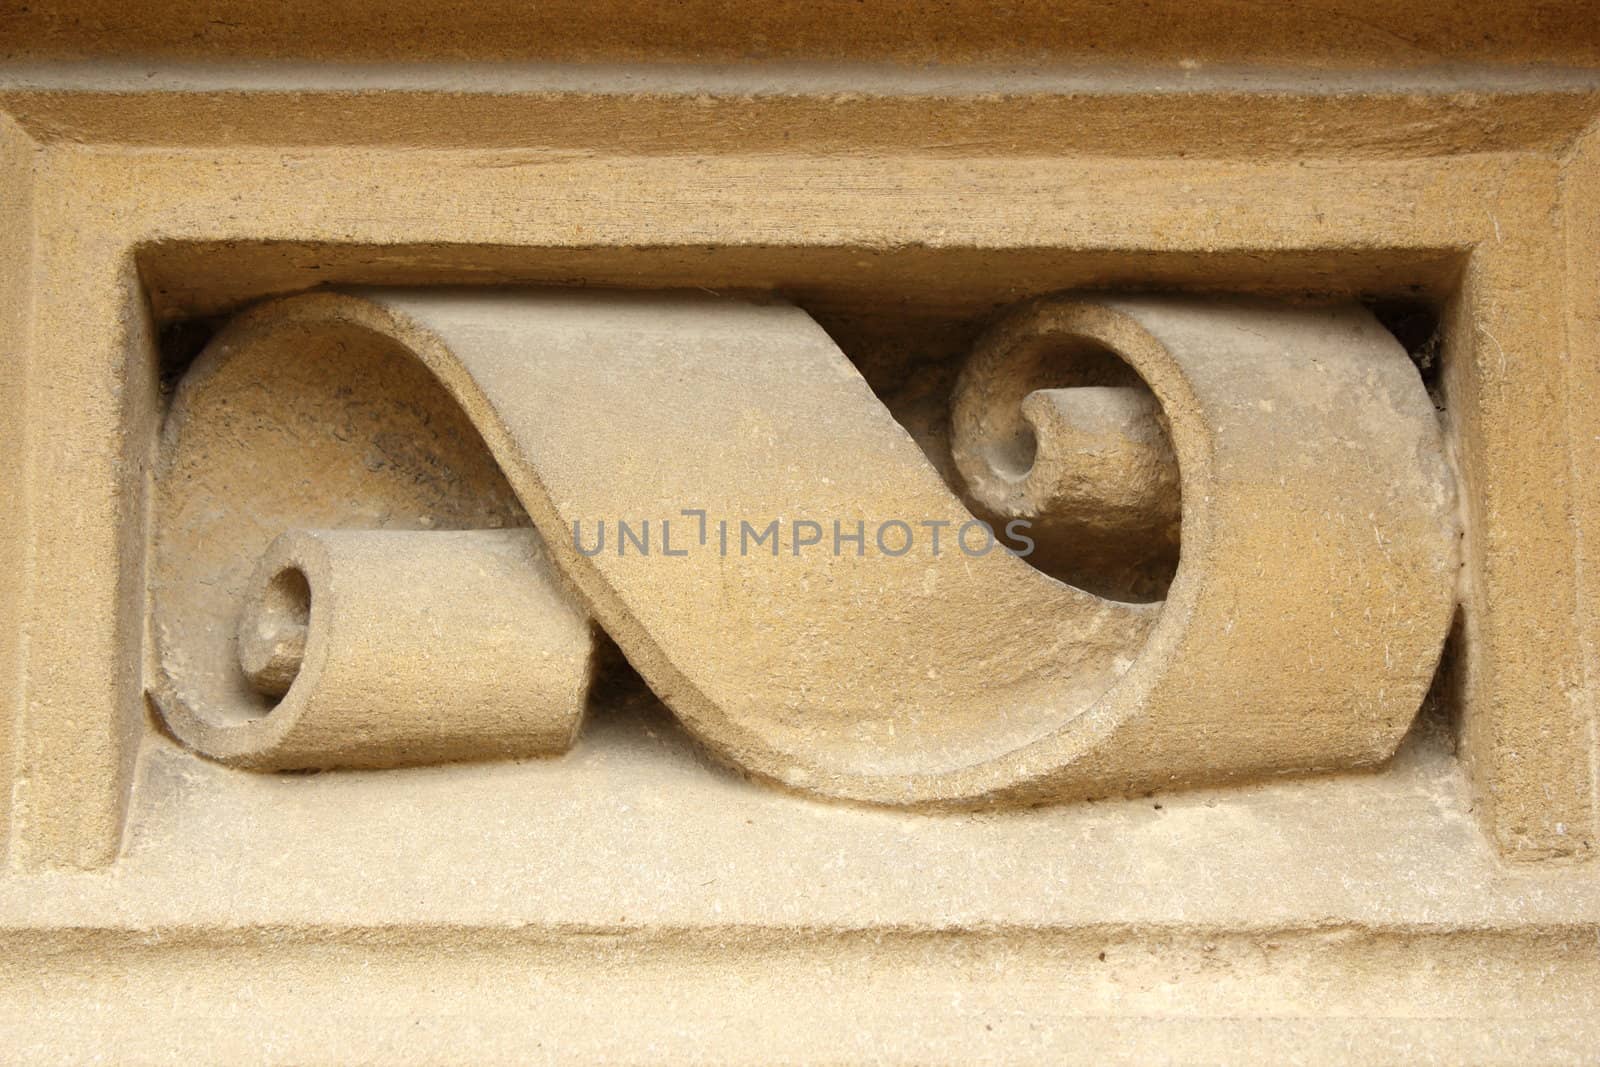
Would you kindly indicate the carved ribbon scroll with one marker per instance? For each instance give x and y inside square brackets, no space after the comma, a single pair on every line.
[1300,631]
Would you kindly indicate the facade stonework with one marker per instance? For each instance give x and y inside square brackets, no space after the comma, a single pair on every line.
[800,532]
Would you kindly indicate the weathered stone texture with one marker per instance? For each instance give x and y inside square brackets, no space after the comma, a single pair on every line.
[1302,762]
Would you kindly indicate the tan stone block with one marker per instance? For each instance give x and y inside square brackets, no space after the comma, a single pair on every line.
[904,177]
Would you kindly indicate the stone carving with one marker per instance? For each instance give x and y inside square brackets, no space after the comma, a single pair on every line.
[1318,541]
